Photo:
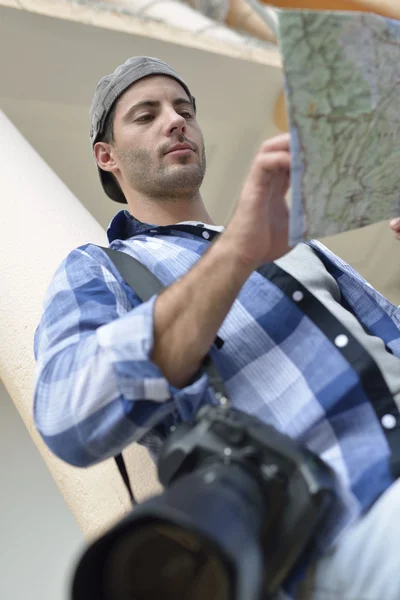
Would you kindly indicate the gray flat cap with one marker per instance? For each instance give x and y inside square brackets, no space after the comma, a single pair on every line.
[109,89]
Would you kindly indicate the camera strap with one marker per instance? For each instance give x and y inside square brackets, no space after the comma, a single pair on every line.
[146,285]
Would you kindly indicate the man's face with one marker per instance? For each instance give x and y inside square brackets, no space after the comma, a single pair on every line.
[158,145]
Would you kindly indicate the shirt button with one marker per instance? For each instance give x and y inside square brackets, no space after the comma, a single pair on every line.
[389,421]
[205,235]
[297,296]
[341,340]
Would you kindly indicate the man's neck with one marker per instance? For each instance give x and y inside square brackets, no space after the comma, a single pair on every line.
[165,212]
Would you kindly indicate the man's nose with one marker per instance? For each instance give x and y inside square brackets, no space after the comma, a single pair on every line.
[175,123]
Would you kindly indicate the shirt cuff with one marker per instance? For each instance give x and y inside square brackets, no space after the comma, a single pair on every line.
[129,340]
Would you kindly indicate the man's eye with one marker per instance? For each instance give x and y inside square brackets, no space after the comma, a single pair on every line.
[186,114]
[144,118]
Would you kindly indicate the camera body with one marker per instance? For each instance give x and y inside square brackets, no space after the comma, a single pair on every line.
[296,485]
[241,504]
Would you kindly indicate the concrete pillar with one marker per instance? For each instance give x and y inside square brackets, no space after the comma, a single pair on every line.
[40,222]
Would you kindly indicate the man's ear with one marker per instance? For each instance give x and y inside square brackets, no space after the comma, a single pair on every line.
[104,156]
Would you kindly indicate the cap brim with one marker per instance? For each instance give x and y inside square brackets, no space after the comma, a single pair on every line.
[111,187]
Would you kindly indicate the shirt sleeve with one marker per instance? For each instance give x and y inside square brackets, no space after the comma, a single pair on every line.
[96,389]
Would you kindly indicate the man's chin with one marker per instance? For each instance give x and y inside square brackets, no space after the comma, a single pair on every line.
[181,161]
[183,169]
[184,178]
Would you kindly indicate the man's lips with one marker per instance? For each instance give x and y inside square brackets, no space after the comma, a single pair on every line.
[180,149]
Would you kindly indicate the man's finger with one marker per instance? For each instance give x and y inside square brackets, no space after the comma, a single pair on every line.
[273,161]
[395,224]
[277,143]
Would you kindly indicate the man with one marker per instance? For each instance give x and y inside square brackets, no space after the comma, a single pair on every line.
[323,367]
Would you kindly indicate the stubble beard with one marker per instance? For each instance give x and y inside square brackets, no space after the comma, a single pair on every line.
[179,181]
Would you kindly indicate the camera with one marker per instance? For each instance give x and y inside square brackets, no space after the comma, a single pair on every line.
[241,504]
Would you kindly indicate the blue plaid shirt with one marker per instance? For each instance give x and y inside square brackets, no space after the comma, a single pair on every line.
[97,389]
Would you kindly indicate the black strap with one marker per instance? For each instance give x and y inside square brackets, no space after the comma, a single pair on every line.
[370,376]
[146,285]
[137,276]
[119,459]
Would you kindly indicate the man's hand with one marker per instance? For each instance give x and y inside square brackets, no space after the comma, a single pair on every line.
[258,229]
[395,225]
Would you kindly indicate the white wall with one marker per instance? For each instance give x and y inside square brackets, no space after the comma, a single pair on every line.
[39,538]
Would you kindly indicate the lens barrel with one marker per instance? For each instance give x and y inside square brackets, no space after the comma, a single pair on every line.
[199,540]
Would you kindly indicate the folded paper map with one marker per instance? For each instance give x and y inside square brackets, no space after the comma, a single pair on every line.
[342,86]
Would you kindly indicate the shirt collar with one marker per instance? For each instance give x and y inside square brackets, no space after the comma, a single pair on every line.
[124,226]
